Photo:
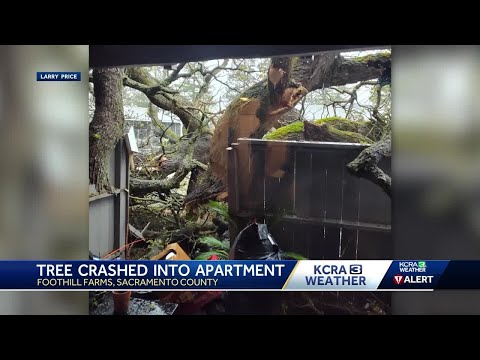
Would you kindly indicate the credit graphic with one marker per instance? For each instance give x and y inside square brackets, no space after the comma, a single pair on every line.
[59,76]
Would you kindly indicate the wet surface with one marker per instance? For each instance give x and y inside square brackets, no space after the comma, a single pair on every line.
[137,306]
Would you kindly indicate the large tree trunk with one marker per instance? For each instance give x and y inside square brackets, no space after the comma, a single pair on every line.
[106,127]
[255,112]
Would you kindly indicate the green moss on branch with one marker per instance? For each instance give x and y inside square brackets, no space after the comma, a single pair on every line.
[355,130]
[383,55]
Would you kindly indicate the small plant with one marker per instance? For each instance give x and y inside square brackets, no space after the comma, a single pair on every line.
[213,243]
[211,246]
[221,209]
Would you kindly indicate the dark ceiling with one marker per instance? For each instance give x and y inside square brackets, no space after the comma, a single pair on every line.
[130,55]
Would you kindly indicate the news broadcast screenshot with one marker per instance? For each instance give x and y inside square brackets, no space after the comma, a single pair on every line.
[239,180]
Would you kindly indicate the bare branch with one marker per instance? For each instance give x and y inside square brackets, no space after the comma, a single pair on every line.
[174,75]
[200,165]
[152,113]
[200,70]
[228,86]
[140,80]
[375,112]
[208,78]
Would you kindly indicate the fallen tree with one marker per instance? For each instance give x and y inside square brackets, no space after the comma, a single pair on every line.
[199,156]
[253,113]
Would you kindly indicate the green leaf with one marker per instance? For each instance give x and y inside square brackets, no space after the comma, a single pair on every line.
[219,207]
[205,255]
[294,256]
[213,243]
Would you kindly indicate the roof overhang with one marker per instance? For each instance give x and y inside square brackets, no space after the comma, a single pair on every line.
[143,55]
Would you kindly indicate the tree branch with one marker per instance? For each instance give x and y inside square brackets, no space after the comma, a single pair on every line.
[174,75]
[375,112]
[327,70]
[165,131]
[208,78]
[366,164]
[188,162]
[217,68]
[139,187]
[139,79]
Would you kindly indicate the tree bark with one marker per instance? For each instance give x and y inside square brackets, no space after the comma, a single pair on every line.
[366,164]
[106,127]
[327,70]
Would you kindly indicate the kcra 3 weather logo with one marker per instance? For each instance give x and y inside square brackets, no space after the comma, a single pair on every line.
[412,267]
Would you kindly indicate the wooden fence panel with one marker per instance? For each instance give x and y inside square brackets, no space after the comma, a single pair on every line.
[325,212]
[279,180]
[319,186]
[304,185]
